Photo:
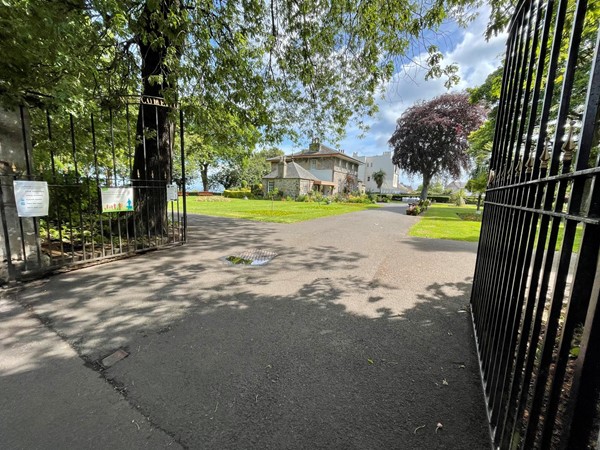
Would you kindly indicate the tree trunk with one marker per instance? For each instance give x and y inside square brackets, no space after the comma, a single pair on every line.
[478,201]
[152,159]
[204,176]
[426,182]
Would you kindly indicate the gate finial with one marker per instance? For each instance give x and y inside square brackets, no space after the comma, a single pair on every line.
[529,164]
[569,146]
[545,157]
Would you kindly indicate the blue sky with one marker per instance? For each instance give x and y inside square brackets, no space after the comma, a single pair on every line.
[466,47]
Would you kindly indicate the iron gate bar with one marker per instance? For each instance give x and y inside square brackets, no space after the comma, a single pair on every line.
[53,168]
[116,181]
[12,273]
[513,261]
[583,278]
[518,271]
[99,210]
[558,177]
[569,235]
[77,180]
[582,219]
[183,230]
[87,229]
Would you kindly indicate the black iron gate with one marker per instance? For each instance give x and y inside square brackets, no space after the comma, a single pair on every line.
[535,298]
[80,156]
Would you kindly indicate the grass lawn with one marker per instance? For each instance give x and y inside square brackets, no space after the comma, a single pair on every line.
[442,221]
[267,211]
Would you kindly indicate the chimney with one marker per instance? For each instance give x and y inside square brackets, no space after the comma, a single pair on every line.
[282,168]
[314,146]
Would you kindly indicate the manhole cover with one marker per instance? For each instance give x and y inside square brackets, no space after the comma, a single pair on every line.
[250,258]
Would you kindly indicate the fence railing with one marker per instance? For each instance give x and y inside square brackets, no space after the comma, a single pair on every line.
[79,157]
[535,298]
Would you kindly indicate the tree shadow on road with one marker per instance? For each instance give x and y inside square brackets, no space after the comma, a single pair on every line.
[247,363]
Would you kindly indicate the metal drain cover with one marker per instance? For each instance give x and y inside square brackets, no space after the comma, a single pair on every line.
[250,258]
[114,358]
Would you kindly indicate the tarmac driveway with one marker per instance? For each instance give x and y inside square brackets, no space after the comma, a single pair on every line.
[354,336]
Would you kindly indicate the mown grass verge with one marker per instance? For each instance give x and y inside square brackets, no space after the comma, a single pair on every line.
[276,211]
[464,224]
[443,222]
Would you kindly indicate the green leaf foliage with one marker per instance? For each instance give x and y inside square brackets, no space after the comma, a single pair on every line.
[298,69]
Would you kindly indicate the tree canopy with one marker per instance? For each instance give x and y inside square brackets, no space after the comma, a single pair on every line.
[431,137]
[298,69]
[301,69]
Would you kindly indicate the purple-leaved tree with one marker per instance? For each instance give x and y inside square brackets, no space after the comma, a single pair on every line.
[431,137]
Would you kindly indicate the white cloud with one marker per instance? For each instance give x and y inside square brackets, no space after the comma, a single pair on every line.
[476,59]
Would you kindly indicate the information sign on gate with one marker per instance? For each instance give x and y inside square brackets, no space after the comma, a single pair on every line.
[116,199]
[172,192]
[31,197]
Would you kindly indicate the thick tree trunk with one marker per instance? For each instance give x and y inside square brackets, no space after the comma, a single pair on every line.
[152,160]
[204,176]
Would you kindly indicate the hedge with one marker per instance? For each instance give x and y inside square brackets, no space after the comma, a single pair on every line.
[237,193]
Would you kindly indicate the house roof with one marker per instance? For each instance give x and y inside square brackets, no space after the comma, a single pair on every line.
[404,189]
[293,171]
[456,185]
[318,151]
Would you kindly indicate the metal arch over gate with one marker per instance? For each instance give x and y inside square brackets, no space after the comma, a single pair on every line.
[535,299]
[84,159]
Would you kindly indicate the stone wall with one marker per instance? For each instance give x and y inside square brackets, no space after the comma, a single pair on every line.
[305,186]
[291,186]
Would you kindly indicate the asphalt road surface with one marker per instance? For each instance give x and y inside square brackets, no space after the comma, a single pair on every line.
[354,336]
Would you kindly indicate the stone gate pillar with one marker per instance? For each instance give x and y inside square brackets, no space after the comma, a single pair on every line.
[17,238]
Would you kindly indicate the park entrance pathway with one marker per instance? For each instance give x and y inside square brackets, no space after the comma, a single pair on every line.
[353,336]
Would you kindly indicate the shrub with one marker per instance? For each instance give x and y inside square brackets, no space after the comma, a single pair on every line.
[210,199]
[439,198]
[361,198]
[237,193]
[458,198]
[316,196]
[472,200]
[257,190]
[413,210]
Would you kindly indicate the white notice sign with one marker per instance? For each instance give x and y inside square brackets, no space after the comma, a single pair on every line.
[32,198]
[172,192]
[115,199]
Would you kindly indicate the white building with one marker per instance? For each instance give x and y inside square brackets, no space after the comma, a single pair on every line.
[372,164]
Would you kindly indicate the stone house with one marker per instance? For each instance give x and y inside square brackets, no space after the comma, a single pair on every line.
[335,172]
[289,179]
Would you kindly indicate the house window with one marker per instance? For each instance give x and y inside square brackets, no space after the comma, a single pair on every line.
[270,186]
[313,163]
[368,178]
